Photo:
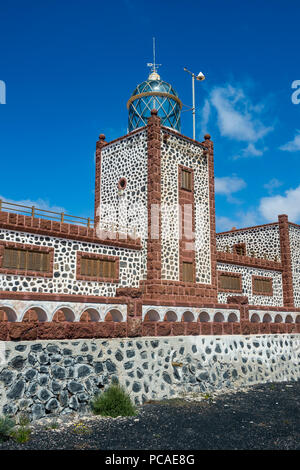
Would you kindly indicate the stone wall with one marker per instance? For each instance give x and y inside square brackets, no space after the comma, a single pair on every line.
[294,235]
[177,151]
[261,241]
[60,377]
[276,299]
[64,275]
[126,159]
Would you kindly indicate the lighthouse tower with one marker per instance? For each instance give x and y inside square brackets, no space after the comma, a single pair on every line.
[157,184]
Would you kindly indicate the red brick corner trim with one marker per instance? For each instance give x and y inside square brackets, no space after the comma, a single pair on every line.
[208,144]
[285,249]
[154,196]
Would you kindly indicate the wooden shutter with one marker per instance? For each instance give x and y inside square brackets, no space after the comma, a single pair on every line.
[22,263]
[108,268]
[26,260]
[187,272]
[10,258]
[186,180]
[240,249]
[83,266]
[262,286]
[230,282]
[31,261]
[98,268]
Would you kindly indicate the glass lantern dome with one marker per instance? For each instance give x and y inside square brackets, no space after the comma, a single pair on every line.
[154,93]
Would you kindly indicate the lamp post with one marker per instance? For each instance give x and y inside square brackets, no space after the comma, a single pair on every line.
[199,77]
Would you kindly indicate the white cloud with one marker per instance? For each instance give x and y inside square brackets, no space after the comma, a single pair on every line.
[39,203]
[274,183]
[270,207]
[250,151]
[238,118]
[240,220]
[267,211]
[224,223]
[249,218]
[293,145]
[227,185]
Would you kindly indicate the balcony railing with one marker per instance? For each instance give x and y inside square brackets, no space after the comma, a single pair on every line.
[33,211]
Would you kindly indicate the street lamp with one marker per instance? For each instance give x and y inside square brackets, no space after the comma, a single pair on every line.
[199,77]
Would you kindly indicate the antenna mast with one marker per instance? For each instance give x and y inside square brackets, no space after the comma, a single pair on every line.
[154,66]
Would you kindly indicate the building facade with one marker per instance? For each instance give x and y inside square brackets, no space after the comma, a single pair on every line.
[151,263]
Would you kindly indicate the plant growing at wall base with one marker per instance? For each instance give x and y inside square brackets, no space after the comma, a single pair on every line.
[6,428]
[53,425]
[114,401]
[22,434]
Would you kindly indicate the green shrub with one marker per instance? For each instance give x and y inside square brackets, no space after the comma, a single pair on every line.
[113,402]
[53,425]
[23,420]
[6,428]
[22,434]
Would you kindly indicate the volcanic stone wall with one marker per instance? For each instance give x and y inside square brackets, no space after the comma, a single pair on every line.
[261,241]
[294,234]
[57,377]
[176,151]
[63,278]
[126,159]
[247,273]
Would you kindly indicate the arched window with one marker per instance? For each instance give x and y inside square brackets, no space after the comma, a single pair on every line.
[114,315]
[255,318]
[188,317]
[170,316]
[219,317]
[267,318]
[7,314]
[204,317]
[35,314]
[90,315]
[232,317]
[64,314]
[152,315]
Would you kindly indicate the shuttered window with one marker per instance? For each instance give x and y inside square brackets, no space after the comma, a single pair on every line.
[240,249]
[262,286]
[187,272]
[231,283]
[26,260]
[98,268]
[186,180]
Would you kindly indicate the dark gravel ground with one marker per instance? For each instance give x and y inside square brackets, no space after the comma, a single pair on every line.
[263,417]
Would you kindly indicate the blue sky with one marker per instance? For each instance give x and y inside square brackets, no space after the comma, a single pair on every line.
[70,67]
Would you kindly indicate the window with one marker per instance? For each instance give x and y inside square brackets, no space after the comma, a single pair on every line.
[186,180]
[26,260]
[122,183]
[240,249]
[187,272]
[262,286]
[100,268]
[230,282]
